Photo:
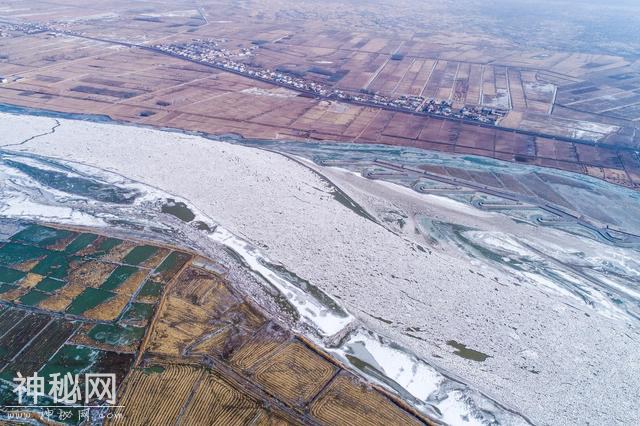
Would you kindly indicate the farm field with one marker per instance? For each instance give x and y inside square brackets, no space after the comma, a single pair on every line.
[205,321]
[551,97]
[179,330]
[69,301]
[84,275]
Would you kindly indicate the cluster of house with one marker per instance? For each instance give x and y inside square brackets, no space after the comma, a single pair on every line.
[205,50]
[475,113]
[209,51]
[29,28]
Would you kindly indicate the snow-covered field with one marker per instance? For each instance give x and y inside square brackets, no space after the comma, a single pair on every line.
[549,356]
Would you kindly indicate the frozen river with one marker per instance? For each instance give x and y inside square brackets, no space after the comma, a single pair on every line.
[474,315]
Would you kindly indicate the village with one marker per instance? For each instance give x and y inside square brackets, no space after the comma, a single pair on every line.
[210,52]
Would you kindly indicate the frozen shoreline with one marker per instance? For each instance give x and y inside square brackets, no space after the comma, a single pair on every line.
[348,256]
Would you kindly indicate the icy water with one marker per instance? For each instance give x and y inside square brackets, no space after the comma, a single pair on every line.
[178,209]
[467,353]
[42,189]
[66,181]
[584,194]
[32,196]
[605,280]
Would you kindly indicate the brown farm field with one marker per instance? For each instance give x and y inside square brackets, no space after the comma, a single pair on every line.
[574,111]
